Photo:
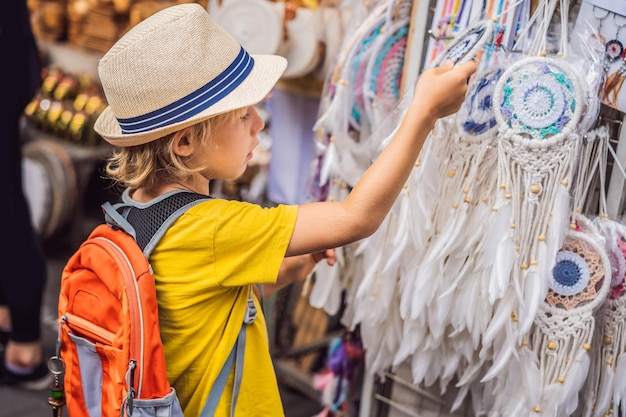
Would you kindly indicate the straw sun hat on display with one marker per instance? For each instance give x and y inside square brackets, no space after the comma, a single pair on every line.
[174,69]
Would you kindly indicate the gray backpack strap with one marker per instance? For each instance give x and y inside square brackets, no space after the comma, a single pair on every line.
[148,222]
[235,358]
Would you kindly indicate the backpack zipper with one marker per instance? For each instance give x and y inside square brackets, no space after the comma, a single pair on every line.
[132,293]
[101,334]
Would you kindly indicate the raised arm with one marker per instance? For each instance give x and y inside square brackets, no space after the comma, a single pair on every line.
[438,93]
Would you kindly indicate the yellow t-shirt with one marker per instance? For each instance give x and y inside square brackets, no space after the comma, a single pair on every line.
[204,268]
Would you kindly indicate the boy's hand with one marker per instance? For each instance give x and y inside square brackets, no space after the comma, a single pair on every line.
[297,268]
[440,91]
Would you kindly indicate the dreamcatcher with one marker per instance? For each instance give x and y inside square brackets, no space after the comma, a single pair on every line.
[554,357]
[538,106]
[606,383]
[383,75]
[553,360]
[468,43]
[378,49]
[458,156]
[605,390]
[335,122]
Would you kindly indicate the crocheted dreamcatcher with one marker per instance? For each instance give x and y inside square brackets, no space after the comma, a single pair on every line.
[605,389]
[375,57]
[537,108]
[467,44]
[383,75]
[335,123]
[355,72]
[554,357]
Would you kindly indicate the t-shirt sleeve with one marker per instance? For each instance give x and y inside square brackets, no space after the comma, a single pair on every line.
[251,241]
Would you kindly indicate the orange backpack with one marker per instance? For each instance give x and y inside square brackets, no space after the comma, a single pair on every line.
[109,340]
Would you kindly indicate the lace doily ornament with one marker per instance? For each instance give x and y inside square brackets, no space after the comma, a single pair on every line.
[539,98]
[467,44]
[475,118]
[578,275]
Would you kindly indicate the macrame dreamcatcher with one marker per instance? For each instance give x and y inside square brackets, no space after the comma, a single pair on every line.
[467,162]
[554,357]
[605,390]
[537,107]
[443,339]
[468,43]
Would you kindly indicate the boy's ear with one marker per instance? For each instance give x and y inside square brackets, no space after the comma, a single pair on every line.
[181,145]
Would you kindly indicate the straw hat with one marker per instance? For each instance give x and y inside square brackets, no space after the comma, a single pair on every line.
[174,69]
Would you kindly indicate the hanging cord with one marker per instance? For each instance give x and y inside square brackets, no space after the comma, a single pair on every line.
[604,151]
[524,33]
[541,18]
[564,5]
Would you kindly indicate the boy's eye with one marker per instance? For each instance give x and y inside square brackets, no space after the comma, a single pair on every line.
[246,116]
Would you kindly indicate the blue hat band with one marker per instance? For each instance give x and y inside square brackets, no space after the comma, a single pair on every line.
[195,102]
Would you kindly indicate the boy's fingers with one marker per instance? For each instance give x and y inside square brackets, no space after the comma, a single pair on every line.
[468,68]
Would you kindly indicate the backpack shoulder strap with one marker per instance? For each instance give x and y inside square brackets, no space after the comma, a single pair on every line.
[148,222]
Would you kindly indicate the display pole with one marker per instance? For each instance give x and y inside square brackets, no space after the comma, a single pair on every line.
[615,192]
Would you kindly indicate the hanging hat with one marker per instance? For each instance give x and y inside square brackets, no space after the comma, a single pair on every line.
[174,69]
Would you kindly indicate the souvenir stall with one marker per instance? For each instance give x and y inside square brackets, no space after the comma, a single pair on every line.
[496,284]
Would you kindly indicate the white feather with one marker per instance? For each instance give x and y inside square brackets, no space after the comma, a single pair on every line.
[501,317]
[619,392]
[530,375]
[500,361]
[425,288]
[574,381]
[604,395]
[500,245]
[330,160]
[534,294]
[419,365]
[413,333]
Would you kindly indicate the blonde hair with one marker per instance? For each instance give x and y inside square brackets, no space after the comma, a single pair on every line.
[153,164]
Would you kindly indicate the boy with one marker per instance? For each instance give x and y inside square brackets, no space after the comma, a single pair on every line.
[181,94]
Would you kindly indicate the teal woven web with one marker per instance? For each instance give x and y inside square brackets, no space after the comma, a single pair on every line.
[538,100]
